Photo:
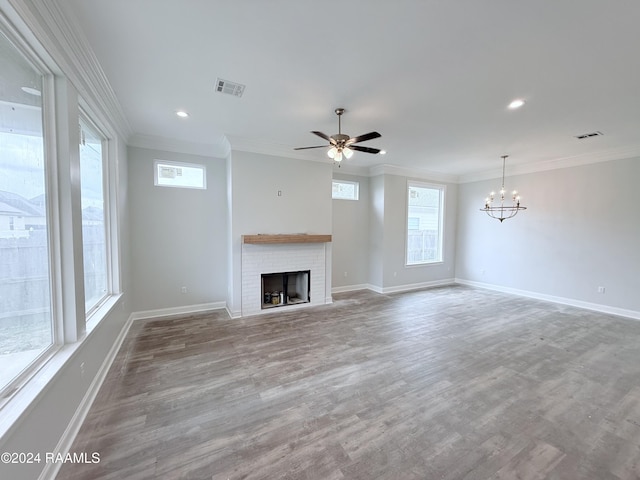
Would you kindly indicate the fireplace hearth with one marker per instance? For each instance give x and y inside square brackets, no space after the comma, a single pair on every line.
[285,288]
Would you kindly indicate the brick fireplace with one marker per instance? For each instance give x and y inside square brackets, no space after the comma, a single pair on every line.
[269,254]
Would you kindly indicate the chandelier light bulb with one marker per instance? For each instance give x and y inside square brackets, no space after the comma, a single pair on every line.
[347,152]
[332,152]
[503,210]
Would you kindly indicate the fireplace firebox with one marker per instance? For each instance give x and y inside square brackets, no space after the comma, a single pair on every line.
[285,288]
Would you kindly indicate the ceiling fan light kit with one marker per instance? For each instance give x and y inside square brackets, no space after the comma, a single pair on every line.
[341,145]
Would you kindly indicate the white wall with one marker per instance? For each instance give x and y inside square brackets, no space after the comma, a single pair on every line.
[376,231]
[178,235]
[389,222]
[581,230]
[304,205]
[350,249]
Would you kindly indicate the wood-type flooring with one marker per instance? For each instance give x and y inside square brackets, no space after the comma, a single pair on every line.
[443,383]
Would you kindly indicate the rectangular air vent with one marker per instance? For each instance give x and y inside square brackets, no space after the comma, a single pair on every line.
[230,88]
[588,135]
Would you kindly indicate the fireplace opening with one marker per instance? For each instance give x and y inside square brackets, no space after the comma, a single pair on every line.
[285,288]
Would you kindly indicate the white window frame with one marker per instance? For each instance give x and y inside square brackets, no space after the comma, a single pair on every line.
[443,194]
[203,168]
[71,325]
[347,182]
[88,119]
[49,133]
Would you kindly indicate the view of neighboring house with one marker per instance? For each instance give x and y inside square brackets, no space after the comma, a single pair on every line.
[19,216]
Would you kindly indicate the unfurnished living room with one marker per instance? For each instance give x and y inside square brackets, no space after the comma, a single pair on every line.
[319,240]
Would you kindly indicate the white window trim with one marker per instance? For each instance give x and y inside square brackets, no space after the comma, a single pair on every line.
[443,195]
[180,164]
[69,328]
[87,118]
[349,182]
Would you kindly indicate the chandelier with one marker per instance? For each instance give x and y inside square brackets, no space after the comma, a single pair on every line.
[502,211]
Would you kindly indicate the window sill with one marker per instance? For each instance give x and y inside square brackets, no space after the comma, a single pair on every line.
[428,264]
[37,384]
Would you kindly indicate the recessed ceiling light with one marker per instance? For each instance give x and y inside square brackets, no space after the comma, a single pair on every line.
[517,103]
[383,152]
[31,91]
[182,114]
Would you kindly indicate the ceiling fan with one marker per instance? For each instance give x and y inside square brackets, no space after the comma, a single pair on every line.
[343,145]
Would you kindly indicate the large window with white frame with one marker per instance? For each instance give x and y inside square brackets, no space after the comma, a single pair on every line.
[425,221]
[92,197]
[26,319]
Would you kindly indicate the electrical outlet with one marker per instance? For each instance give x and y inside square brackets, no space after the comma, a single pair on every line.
[345,274]
[82,370]
[600,289]
[183,289]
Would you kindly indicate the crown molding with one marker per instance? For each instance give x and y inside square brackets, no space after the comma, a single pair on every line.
[252,145]
[56,29]
[412,173]
[219,149]
[554,164]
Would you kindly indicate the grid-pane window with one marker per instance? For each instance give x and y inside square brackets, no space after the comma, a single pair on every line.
[94,235]
[425,207]
[26,326]
[345,190]
[180,175]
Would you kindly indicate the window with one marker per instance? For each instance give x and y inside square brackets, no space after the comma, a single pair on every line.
[425,207]
[26,322]
[182,175]
[345,190]
[94,235]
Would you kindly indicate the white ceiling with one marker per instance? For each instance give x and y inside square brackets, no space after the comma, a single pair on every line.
[433,77]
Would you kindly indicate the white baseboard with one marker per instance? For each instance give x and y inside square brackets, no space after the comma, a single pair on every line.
[233,314]
[351,288]
[396,289]
[418,286]
[185,310]
[51,469]
[597,307]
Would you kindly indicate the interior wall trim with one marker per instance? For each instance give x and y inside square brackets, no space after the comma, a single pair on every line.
[56,28]
[597,307]
[50,471]
[173,311]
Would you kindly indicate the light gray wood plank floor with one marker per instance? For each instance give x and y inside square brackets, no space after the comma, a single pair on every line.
[443,383]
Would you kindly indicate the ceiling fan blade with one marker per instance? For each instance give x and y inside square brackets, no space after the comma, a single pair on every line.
[325,136]
[363,138]
[307,148]
[364,149]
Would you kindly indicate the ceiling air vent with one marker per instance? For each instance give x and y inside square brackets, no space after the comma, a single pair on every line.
[588,135]
[230,88]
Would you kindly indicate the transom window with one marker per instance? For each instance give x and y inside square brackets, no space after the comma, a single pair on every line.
[181,175]
[425,213]
[345,190]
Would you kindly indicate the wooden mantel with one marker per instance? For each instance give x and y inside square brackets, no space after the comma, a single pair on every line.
[286,238]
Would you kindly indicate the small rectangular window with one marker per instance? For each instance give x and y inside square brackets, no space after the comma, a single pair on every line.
[181,175]
[425,212]
[345,190]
